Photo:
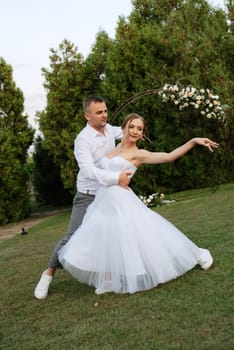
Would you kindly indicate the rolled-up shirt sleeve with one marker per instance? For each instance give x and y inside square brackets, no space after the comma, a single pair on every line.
[84,155]
[117,132]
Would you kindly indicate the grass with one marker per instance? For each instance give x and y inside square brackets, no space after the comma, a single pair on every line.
[193,312]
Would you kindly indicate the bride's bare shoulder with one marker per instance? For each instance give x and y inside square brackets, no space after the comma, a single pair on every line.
[141,154]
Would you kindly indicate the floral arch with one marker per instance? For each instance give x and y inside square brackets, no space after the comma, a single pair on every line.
[183,97]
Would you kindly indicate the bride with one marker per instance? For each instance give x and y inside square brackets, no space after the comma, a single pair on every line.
[122,246]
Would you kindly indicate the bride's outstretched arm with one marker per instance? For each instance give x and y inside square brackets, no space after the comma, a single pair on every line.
[144,156]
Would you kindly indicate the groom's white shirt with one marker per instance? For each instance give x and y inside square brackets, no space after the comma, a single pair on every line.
[89,147]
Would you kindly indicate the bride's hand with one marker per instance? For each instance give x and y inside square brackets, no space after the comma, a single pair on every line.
[203,141]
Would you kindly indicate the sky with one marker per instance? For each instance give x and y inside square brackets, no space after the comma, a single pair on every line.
[30,28]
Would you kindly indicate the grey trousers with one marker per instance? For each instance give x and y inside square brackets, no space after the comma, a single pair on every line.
[80,204]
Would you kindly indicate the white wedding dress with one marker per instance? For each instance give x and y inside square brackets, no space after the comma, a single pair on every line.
[125,247]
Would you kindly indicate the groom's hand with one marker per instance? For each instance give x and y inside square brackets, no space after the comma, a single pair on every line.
[124,178]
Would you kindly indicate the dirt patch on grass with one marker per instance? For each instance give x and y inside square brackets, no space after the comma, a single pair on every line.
[10,230]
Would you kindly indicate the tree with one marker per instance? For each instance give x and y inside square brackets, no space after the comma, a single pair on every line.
[62,118]
[68,82]
[95,65]
[160,45]
[48,186]
[163,41]
[15,138]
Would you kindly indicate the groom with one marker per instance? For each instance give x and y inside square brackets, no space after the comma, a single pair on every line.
[91,144]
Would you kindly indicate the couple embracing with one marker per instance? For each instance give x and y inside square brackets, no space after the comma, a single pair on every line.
[114,243]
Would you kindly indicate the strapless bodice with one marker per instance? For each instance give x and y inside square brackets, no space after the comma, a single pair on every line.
[117,163]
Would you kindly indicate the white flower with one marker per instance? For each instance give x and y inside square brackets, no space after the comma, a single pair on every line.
[168,201]
[155,200]
[185,97]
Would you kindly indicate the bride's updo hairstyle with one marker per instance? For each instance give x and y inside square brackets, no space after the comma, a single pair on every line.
[130,118]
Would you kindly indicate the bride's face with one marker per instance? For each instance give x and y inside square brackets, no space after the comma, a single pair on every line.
[134,130]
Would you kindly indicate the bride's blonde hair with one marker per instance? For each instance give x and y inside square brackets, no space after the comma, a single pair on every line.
[130,118]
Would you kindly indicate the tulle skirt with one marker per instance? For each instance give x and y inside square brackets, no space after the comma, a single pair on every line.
[127,244]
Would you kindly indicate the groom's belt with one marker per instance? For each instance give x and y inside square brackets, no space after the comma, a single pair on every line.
[92,193]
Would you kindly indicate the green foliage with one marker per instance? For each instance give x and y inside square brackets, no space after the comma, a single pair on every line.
[164,41]
[175,46]
[62,119]
[47,183]
[69,81]
[151,11]
[15,138]
[95,65]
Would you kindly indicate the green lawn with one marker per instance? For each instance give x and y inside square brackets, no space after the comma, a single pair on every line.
[193,312]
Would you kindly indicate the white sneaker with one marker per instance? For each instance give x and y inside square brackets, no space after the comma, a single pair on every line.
[105,287]
[205,259]
[41,290]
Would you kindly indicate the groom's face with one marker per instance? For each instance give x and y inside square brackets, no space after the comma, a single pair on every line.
[96,115]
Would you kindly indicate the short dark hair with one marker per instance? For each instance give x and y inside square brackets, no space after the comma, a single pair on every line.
[87,102]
